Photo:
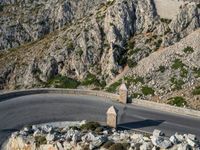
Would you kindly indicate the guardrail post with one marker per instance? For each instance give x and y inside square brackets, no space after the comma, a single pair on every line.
[112,114]
[123,94]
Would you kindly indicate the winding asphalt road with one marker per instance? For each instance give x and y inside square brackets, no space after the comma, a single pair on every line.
[41,108]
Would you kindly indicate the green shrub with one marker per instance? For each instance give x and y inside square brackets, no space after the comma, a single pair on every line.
[177,101]
[74,128]
[91,79]
[108,144]
[119,146]
[112,88]
[188,50]
[99,130]
[131,44]
[136,95]
[164,20]
[131,63]
[147,90]
[62,82]
[134,51]
[80,52]
[177,63]
[1,7]
[162,69]
[196,91]
[198,5]
[133,80]
[90,126]
[178,83]
[196,72]
[40,140]
[183,72]
[70,45]
[158,43]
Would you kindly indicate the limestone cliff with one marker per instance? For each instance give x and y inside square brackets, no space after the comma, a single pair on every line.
[71,43]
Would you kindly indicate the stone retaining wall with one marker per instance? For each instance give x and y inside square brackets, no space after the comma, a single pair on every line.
[8,95]
[165,107]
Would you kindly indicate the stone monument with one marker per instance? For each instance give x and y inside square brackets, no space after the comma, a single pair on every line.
[123,94]
[112,114]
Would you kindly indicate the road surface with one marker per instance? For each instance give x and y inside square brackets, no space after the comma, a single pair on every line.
[42,108]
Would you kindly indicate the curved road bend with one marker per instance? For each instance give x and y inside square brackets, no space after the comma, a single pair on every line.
[41,108]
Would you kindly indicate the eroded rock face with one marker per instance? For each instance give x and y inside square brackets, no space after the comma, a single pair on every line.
[84,37]
[20,27]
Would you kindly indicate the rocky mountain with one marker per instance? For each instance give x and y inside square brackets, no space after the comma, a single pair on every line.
[88,43]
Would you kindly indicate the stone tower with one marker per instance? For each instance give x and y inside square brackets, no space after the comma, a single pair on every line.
[112,114]
[123,94]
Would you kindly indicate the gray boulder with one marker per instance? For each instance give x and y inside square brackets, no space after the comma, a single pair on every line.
[161,142]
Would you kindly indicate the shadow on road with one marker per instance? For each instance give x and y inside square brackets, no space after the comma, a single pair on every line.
[8,131]
[141,124]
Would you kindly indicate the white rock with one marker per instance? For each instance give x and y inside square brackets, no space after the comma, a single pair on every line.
[67,145]
[59,145]
[88,137]
[83,122]
[146,146]
[184,146]
[50,137]
[99,141]
[179,137]
[191,142]
[76,138]
[174,140]
[192,137]
[161,142]
[157,133]
[34,127]
[105,132]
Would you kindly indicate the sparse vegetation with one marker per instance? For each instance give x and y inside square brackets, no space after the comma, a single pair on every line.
[80,52]
[131,44]
[90,126]
[177,101]
[147,90]
[119,146]
[131,63]
[162,69]
[198,5]
[177,83]
[40,140]
[188,50]
[112,88]
[59,81]
[196,91]
[134,51]
[136,95]
[108,144]
[1,7]
[183,72]
[70,45]
[91,79]
[158,43]
[177,63]
[164,20]
[133,80]
[196,72]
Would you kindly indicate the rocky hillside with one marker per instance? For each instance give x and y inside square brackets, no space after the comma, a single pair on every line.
[88,43]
